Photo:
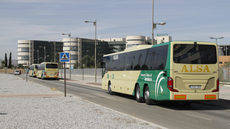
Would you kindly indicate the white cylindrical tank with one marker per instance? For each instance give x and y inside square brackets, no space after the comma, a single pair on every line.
[135,40]
[71,45]
[23,52]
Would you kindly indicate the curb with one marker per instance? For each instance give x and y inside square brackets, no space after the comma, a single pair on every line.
[93,84]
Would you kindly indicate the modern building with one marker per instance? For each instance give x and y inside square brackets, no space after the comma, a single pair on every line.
[71,45]
[38,51]
[82,51]
[163,38]
[118,44]
[136,40]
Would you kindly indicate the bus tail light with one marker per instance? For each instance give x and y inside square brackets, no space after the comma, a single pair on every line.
[170,85]
[210,97]
[217,86]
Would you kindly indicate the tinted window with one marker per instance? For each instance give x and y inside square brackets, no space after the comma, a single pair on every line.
[156,58]
[148,59]
[194,54]
[51,66]
[25,49]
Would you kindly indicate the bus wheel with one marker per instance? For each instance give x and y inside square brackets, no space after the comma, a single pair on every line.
[109,89]
[146,95]
[137,94]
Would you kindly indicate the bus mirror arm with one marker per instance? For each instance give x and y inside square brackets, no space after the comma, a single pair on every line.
[165,73]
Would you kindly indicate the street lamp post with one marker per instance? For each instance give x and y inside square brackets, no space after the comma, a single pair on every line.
[216,38]
[69,35]
[154,25]
[44,52]
[153,22]
[95,54]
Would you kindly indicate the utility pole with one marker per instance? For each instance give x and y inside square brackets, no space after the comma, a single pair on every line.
[70,66]
[95,54]
[54,51]
[44,53]
[153,40]
[154,25]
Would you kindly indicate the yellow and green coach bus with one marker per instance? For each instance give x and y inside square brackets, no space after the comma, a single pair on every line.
[179,70]
[33,69]
[48,70]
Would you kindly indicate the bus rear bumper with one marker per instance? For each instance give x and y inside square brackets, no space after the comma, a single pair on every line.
[194,96]
[52,77]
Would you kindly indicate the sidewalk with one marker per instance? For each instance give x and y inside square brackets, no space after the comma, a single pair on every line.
[28,105]
[88,80]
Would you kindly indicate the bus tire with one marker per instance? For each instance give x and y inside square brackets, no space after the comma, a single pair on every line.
[146,96]
[109,89]
[138,95]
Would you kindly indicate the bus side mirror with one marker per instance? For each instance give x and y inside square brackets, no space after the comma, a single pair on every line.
[102,64]
[165,73]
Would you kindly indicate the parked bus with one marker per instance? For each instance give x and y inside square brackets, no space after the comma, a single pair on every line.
[180,70]
[33,69]
[48,70]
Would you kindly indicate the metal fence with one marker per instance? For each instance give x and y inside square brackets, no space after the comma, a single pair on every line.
[224,74]
[87,74]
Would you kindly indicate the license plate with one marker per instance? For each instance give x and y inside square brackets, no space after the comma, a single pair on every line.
[195,86]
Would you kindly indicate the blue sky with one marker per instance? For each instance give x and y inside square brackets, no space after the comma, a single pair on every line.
[47,19]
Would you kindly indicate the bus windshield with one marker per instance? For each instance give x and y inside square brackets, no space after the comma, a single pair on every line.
[54,66]
[194,54]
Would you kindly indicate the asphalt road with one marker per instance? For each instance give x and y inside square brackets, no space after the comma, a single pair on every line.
[199,115]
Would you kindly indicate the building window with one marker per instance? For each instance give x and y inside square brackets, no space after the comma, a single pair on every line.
[26,49]
[74,57]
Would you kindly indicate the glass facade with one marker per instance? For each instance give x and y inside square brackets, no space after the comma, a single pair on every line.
[46,51]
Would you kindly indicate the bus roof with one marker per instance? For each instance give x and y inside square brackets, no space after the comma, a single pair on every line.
[140,47]
[189,41]
[49,63]
[34,64]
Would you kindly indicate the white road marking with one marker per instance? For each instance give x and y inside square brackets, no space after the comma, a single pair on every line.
[197,116]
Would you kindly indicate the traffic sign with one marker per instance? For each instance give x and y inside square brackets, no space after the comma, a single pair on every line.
[64,57]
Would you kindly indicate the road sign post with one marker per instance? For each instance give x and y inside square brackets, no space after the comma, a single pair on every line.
[63,58]
[64,80]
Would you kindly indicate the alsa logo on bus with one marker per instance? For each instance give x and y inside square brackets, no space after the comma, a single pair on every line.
[195,68]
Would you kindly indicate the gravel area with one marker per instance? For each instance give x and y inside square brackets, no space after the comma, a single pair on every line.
[33,106]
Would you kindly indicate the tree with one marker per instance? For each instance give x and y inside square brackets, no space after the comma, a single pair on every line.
[2,64]
[5,60]
[10,61]
[88,61]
